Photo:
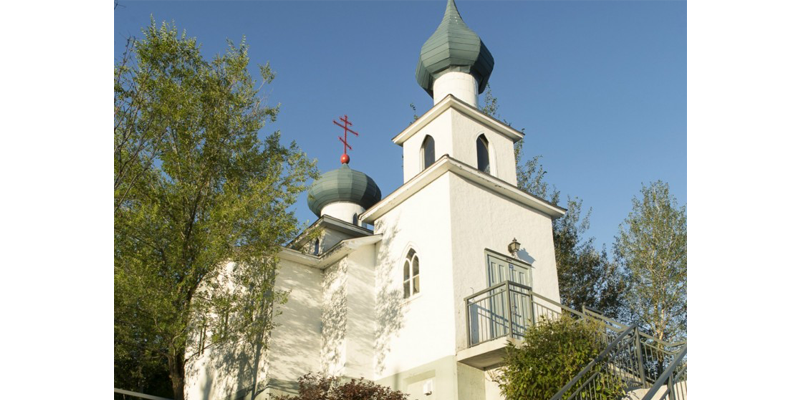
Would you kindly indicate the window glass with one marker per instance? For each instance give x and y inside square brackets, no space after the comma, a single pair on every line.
[428,152]
[483,153]
[411,274]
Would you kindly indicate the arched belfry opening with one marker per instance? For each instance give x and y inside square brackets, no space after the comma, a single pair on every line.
[427,152]
[482,145]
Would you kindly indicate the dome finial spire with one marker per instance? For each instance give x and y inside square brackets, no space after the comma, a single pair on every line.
[451,11]
[454,47]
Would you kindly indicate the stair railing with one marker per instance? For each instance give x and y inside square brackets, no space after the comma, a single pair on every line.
[653,355]
[599,369]
[630,356]
[139,395]
[675,379]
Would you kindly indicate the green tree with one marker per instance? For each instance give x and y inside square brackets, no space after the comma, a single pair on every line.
[551,354]
[651,247]
[321,387]
[201,203]
[586,276]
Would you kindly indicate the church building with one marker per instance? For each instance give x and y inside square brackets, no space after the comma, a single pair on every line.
[421,288]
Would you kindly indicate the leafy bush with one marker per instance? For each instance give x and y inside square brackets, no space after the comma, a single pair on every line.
[321,387]
[552,353]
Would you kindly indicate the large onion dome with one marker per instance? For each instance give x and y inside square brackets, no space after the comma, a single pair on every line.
[453,47]
[343,185]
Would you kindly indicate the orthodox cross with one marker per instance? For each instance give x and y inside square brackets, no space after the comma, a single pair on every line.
[345,158]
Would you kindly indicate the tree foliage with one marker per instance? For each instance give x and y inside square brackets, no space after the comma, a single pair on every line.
[201,202]
[321,387]
[586,276]
[651,247]
[551,354]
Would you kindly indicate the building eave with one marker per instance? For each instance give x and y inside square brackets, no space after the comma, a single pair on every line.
[453,102]
[446,164]
[334,255]
[328,222]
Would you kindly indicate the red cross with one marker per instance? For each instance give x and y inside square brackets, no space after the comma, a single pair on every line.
[345,158]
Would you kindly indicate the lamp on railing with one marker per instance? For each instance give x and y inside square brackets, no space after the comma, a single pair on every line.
[513,247]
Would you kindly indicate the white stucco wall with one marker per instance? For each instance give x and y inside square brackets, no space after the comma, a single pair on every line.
[440,129]
[348,315]
[501,149]
[295,342]
[492,388]
[223,370]
[483,220]
[292,347]
[416,331]
[334,319]
[455,134]
[360,336]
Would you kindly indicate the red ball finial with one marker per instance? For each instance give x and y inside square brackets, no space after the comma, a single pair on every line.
[345,159]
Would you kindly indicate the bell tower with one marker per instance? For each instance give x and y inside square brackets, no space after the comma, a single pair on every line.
[454,68]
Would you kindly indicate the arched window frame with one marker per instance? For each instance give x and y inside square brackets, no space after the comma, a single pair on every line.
[427,152]
[483,154]
[411,284]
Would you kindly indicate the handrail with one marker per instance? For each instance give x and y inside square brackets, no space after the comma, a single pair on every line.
[555,303]
[531,292]
[496,286]
[666,375]
[506,308]
[594,313]
[591,365]
[139,395]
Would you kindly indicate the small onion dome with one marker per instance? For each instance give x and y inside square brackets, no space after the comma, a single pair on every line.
[453,47]
[343,185]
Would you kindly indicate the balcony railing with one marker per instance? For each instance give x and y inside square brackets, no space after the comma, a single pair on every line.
[507,309]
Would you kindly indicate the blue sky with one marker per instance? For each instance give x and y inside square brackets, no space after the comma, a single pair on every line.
[598,86]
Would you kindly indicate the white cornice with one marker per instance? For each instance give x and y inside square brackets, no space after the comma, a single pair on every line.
[326,221]
[453,102]
[446,164]
[336,253]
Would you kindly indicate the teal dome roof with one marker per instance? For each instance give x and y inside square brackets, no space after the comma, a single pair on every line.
[453,47]
[343,185]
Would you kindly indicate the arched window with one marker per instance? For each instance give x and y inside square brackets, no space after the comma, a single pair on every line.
[428,152]
[411,274]
[483,153]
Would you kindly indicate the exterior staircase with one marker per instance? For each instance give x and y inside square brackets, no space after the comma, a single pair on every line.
[647,367]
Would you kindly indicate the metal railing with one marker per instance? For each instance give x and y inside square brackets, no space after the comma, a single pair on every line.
[508,309]
[609,368]
[502,310]
[631,357]
[655,354]
[675,379]
[138,395]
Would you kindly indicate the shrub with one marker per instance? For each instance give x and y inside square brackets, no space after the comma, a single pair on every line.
[321,387]
[552,353]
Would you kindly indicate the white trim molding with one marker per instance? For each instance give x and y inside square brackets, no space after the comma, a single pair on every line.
[452,102]
[446,164]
